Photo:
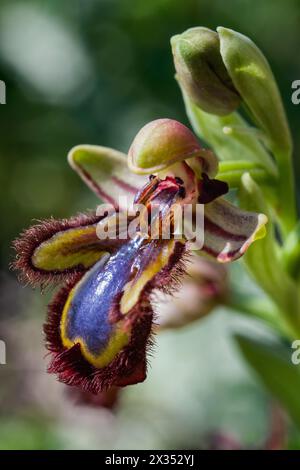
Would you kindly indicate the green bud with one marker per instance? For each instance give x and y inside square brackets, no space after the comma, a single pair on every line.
[161,143]
[253,78]
[201,71]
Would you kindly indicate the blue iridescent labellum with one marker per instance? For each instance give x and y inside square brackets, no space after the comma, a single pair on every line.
[86,315]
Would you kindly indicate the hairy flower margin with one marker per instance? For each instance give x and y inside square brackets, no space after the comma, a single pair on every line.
[100,322]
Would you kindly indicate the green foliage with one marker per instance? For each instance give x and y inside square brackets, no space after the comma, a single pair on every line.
[272,362]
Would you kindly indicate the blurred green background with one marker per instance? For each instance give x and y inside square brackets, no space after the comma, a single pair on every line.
[95,71]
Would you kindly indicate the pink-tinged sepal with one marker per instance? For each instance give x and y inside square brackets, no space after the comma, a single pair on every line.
[229,231]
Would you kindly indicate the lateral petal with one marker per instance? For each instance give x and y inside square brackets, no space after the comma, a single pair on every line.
[229,231]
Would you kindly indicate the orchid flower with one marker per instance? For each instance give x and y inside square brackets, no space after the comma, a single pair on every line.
[100,322]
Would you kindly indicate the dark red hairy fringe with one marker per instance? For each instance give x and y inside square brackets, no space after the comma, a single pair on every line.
[32,237]
[169,279]
[130,364]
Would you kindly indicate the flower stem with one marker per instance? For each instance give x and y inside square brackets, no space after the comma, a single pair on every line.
[287,212]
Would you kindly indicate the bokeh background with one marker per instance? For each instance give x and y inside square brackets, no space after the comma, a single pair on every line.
[95,71]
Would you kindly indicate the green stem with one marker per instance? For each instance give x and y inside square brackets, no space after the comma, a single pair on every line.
[287,212]
[264,262]
[290,253]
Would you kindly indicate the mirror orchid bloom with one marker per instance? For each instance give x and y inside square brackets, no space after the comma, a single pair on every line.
[100,323]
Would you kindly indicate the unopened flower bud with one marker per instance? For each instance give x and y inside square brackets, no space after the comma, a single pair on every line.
[253,78]
[201,71]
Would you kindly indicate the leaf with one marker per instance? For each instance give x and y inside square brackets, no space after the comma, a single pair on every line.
[271,360]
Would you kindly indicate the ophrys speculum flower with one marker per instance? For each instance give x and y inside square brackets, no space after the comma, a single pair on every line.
[99,324]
